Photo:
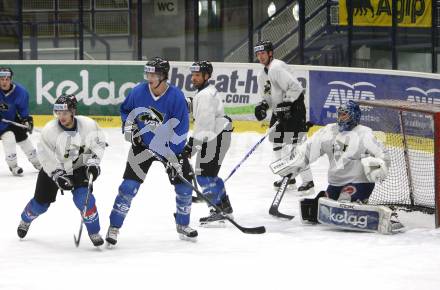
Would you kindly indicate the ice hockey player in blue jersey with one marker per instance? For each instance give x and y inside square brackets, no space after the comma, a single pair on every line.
[155,119]
[70,150]
[14,107]
[210,141]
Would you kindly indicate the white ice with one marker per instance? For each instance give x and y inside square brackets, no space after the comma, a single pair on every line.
[149,254]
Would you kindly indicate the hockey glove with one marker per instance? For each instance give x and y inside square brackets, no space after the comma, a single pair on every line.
[29,122]
[188,150]
[261,110]
[62,180]
[174,168]
[375,169]
[131,134]
[92,167]
[283,111]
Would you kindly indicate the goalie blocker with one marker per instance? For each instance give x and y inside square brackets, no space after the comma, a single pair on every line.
[347,215]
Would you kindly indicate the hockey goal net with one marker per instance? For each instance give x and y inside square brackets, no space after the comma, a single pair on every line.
[411,133]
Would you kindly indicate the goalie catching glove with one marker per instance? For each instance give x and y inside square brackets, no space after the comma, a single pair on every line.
[375,169]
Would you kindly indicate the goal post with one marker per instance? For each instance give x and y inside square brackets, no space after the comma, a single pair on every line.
[410,132]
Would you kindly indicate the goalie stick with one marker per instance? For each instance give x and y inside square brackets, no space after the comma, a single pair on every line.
[273,210]
[254,230]
[83,213]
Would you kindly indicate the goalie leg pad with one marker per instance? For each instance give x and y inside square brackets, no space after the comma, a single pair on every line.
[308,208]
[353,216]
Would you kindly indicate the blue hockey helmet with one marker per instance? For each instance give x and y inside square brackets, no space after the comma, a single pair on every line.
[349,116]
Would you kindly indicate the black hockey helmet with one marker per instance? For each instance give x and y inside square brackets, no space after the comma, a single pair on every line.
[263,45]
[157,65]
[65,103]
[6,72]
[202,66]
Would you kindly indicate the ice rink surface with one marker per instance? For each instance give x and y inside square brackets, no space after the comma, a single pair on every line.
[149,254]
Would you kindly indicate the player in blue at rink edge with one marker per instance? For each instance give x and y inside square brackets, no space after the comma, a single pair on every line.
[14,106]
[154,116]
[70,149]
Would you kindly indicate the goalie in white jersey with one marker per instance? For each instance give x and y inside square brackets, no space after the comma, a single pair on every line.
[211,140]
[357,161]
[282,93]
[70,150]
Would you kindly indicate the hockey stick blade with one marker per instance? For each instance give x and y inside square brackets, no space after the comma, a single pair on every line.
[276,213]
[254,230]
[77,240]
[273,210]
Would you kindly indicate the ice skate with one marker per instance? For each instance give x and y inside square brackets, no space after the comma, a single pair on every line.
[306,188]
[96,239]
[187,233]
[112,236]
[16,171]
[214,220]
[23,228]
[396,225]
[290,186]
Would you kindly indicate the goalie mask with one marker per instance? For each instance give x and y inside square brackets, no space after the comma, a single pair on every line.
[349,116]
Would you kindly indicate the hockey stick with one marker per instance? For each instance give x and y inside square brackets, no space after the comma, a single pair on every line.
[254,230]
[15,124]
[252,150]
[83,213]
[18,125]
[197,198]
[273,210]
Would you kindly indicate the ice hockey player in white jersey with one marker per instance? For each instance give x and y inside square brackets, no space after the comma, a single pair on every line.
[282,93]
[70,151]
[357,161]
[210,141]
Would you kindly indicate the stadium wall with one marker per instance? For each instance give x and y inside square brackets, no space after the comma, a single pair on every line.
[101,86]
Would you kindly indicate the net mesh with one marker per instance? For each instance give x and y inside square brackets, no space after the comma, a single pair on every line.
[409,139]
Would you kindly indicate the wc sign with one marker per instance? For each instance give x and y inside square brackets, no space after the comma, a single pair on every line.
[165,7]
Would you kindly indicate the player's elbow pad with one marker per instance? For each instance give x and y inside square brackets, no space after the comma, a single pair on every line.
[375,169]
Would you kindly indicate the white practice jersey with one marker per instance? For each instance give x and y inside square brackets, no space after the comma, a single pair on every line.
[278,84]
[345,151]
[208,113]
[68,150]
